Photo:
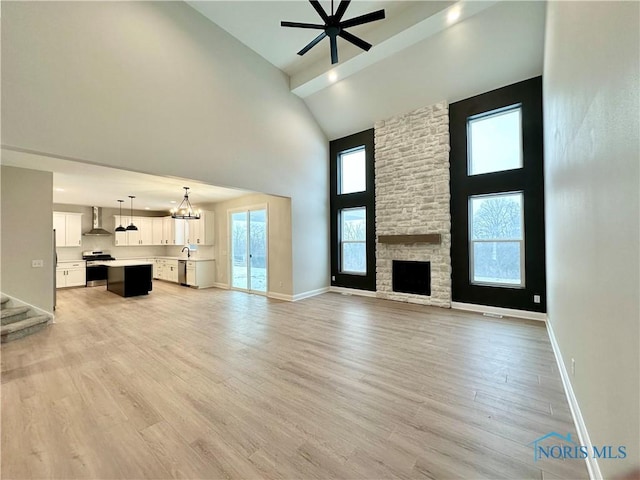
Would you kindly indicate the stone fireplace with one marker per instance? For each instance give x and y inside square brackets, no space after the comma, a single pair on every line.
[413,221]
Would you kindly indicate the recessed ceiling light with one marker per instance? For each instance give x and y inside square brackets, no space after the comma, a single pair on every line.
[147,208]
[453,15]
[333,76]
[59,189]
[173,201]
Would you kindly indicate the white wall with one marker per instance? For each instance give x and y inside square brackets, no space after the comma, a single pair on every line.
[27,234]
[155,87]
[592,159]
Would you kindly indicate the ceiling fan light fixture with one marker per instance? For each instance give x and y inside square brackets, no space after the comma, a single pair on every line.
[334,27]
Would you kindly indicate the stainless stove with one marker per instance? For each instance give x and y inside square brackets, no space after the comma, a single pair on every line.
[96,270]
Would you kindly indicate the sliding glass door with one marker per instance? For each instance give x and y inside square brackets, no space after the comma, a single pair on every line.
[248,232]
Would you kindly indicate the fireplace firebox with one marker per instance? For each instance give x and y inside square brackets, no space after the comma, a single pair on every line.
[411,277]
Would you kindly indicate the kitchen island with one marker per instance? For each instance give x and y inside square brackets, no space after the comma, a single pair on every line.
[129,278]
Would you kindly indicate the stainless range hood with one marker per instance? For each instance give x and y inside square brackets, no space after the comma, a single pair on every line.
[97,229]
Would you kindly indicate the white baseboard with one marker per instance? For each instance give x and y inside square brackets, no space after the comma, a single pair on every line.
[299,296]
[507,312]
[592,463]
[310,293]
[280,296]
[352,291]
[221,285]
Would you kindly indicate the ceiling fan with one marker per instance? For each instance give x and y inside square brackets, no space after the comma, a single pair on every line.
[334,27]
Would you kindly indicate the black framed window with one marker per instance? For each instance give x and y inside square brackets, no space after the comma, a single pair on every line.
[497,198]
[352,210]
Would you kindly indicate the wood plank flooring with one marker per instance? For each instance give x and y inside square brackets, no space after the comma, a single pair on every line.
[218,384]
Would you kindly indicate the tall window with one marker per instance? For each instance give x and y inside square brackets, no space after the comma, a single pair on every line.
[352,212]
[497,198]
[353,240]
[496,240]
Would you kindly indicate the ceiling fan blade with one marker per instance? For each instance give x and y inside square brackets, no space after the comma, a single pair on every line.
[366,18]
[358,42]
[334,50]
[312,43]
[302,25]
[316,4]
[341,9]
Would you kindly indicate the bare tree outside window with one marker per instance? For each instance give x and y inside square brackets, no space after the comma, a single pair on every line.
[497,239]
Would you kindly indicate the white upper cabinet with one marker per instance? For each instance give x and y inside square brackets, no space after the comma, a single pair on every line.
[132,238]
[68,227]
[200,232]
[157,233]
[173,231]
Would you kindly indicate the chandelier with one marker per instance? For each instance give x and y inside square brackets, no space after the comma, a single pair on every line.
[185,211]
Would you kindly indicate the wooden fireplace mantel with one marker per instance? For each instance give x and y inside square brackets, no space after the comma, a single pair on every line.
[432,238]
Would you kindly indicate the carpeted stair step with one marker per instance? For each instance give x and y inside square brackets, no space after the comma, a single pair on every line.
[23,328]
[13,314]
[4,301]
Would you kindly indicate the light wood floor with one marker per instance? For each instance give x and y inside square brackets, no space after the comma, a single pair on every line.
[217,384]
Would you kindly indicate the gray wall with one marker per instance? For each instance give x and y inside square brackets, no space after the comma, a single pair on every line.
[592,181]
[27,234]
[158,88]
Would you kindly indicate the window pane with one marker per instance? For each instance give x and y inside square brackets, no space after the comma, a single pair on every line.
[497,263]
[495,217]
[354,257]
[353,231]
[354,224]
[353,176]
[495,142]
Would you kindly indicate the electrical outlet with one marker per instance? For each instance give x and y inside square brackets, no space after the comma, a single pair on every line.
[536,299]
[333,278]
[37,263]
[573,366]
[280,283]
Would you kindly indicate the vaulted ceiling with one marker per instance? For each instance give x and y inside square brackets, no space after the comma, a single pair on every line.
[424,52]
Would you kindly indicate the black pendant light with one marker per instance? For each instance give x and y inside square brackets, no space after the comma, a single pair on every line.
[121,228]
[132,227]
[185,211]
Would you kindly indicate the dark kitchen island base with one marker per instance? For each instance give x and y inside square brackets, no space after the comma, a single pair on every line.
[130,280]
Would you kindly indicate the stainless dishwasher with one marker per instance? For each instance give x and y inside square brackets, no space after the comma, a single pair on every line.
[182,272]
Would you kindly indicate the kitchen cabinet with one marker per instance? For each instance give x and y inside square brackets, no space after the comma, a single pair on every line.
[147,226]
[166,269]
[68,227]
[121,238]
[200,274]
[71,274]
[157,237]
[201,231]
[173,231]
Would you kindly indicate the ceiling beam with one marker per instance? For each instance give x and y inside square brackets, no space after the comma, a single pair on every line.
[304,84]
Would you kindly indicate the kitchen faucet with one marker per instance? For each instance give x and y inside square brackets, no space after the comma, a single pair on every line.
[188,251]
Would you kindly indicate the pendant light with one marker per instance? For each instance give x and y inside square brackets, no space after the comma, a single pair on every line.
[121,228]
[132,227]
[185,211]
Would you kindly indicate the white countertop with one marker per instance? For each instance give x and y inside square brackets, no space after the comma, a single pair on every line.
[192,259]
[124,263]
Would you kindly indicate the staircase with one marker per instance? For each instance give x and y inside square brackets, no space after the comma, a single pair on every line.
[19,321]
